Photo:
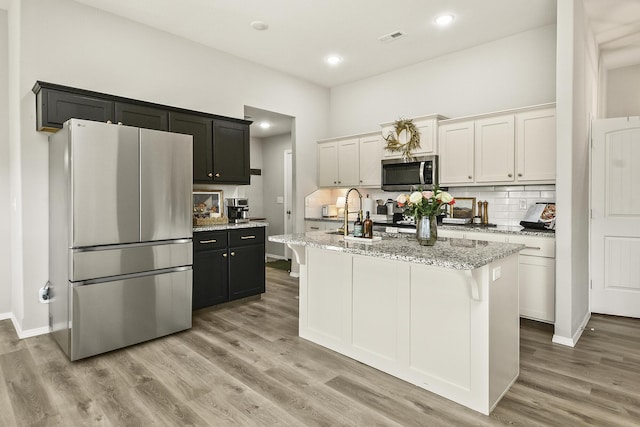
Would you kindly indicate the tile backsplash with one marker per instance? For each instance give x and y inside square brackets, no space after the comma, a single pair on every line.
[507,205]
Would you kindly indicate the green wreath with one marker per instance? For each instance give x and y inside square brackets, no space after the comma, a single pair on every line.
[413,143]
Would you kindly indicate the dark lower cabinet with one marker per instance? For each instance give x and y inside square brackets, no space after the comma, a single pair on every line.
[141,116]
[227,265]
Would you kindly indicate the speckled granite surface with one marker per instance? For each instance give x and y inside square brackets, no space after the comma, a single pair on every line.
[459,254]
[515,230]
[216,227]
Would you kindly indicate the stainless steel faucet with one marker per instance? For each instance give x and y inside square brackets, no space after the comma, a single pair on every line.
[346,209]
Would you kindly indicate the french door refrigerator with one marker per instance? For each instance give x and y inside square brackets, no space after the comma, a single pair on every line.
[120,236]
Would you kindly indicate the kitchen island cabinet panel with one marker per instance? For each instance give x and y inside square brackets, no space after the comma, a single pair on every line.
[201,128]
[141,116]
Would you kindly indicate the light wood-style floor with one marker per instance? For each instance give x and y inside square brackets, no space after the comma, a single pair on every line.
[244,365]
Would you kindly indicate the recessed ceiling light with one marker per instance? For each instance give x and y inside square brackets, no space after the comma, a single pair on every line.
[444,20]
[265,125]
[259,25]
[334,60]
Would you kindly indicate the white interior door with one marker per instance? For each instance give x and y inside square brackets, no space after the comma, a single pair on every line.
[615,217]
[288,198]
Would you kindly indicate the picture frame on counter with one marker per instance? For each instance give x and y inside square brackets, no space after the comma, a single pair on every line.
[465,207]
[208,203]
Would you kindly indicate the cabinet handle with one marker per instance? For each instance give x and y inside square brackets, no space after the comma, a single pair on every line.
[360,181]
[519,174]
[510,175]
[224,255]
[247,237]
[210,175]
[109,122]
[537,248]
[217,175]
[339,182]
[208,241]
[315,228]
[470,177]
[120,123]
[334,182]
[233,254]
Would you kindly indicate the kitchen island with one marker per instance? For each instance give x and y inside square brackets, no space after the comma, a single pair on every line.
[444,318]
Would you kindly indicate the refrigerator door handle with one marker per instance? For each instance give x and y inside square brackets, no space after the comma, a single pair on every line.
[131,245]
[131,276]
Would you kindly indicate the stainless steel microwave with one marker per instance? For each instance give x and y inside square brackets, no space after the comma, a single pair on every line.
[402,174]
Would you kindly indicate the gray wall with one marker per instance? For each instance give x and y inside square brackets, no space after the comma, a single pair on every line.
[273,159]
[512,72]
[5,235]
[623,92]
[117,56]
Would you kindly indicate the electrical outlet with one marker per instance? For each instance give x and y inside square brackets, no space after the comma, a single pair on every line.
[523,204]
[279,200]
[497,273]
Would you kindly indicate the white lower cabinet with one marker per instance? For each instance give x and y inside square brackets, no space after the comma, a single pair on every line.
[537,276]
[322,225]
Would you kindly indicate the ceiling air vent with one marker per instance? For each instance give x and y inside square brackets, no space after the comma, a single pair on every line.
[391,36]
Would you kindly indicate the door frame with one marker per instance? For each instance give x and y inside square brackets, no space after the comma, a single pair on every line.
[288,197]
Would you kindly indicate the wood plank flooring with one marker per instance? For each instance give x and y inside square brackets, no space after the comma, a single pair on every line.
[244,365]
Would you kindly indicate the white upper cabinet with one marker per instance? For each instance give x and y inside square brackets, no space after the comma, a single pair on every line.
[328,164]
[428,128]
[350,162]
[494,144]
[370,156]
[456,141]
[536,145]
[506,148]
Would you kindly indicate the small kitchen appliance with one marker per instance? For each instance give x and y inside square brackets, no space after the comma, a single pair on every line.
[329,211]
[237,210]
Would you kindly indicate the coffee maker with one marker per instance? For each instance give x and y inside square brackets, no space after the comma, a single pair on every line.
[237,210]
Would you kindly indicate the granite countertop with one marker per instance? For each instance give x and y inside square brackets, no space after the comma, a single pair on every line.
[459,254]
[217,227]
[514,230]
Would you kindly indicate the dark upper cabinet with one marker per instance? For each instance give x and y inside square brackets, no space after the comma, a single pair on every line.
[54,107]
[220,144]
[201,128]
[230,152]
[141,116]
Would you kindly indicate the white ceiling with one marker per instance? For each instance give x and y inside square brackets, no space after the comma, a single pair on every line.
[303,32]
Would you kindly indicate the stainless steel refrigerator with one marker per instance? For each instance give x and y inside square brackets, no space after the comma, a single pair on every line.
[120,236]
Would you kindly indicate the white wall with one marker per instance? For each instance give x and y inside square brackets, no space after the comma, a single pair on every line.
[273,172]
[512,72]
[255,191]
[5,234]
[577,78]
[623,92]
[94,50]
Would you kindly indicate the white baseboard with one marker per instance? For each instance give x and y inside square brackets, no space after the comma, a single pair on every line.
[29,332]
[274,256]
[5,316]
[296,275]
[571,342]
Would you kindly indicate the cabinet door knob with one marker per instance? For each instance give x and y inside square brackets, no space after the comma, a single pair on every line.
[339,182]
[335,182]
[233,254]
[224,255]
[119,123]
[519,174]
[470,177]
[217,175]
[510,175]
[109,122]
[210,175]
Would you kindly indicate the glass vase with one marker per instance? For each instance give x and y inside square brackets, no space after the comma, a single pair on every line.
[426,230]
